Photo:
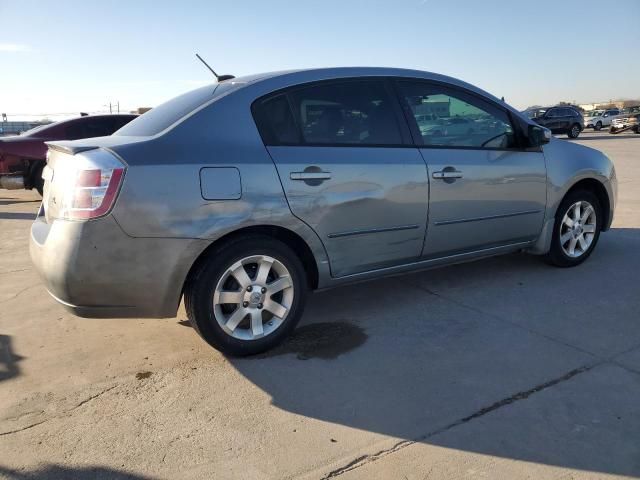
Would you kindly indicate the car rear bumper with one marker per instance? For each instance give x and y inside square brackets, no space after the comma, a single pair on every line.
[96,270]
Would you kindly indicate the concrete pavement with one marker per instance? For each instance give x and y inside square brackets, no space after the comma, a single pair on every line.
[502,368]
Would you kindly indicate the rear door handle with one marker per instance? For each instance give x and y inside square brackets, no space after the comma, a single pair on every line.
[444,174]
[304,176]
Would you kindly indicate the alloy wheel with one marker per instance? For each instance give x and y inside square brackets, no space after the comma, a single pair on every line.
[253,297]
[578,229]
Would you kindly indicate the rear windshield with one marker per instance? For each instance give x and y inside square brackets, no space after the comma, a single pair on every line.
[163,116]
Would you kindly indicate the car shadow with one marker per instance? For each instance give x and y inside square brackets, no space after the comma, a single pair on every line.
[17,216]
[477,357]
[8,360]
[12,201]
[59,472]
[605,137]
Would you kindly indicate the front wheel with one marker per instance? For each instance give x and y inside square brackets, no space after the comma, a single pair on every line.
[598,126]
[574,131]
[247,296]
[576,230]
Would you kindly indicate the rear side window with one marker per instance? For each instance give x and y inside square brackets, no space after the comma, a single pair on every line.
[275,121]
[354,113]
[346,113]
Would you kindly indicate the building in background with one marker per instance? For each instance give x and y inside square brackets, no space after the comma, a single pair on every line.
[619,104]
[16,128]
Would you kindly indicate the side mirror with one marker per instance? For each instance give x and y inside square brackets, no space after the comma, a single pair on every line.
[539,136]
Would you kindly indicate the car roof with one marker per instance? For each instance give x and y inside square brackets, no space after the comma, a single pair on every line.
[293,77]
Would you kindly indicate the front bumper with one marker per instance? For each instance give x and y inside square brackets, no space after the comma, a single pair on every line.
[96,270]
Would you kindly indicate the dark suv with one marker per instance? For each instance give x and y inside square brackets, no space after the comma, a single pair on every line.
[561,119]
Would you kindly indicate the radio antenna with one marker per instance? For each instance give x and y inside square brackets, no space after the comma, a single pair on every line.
[219,78]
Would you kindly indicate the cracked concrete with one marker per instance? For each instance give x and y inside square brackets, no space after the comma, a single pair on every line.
[504,368]
[365,459]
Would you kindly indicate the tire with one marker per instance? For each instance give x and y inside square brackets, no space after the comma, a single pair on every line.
[574,131]
[208,314]
[598,126]
[37,181]
[612,130]
[559,253]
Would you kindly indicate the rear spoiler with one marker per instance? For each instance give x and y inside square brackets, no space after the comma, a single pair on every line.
[69,147]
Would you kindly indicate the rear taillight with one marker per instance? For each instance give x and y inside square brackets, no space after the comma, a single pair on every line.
[90,184]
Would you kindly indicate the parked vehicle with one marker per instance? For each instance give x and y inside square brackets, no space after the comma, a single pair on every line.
[22,157]
[244,197]
[629,122]
[562,119]
[597,119]
[625,120]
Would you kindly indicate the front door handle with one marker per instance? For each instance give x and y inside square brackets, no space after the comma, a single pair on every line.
[447,173]
[304,176]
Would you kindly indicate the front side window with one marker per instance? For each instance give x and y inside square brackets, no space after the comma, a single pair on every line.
[346,113]
[448,117]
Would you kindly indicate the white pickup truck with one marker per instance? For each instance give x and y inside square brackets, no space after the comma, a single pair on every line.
[597,119]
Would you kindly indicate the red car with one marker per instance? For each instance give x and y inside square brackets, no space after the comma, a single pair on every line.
[22,157]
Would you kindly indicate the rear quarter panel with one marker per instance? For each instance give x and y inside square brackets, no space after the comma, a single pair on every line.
[161,194]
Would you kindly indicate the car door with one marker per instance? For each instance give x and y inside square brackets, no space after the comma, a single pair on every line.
[486,191]
[349,170]
[570,118]
[553,120]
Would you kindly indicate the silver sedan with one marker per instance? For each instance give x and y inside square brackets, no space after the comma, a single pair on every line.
[243,196]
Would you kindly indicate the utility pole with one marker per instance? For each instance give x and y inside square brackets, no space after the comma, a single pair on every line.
[118,106]
[110,111]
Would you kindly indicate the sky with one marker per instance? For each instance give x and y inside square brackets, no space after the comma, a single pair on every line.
[62,57]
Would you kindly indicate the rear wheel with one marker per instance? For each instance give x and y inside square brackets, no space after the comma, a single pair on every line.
[37,181]
[574,131]
[598,126]
[247,296]
[576,230]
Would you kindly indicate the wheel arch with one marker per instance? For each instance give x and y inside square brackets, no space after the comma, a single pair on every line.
[288,237]
[595,186]
[542,245]
[32,170]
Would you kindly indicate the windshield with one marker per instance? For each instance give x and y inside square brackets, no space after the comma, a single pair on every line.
[594,113]
[628,110]
[163,116]
[536,113]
